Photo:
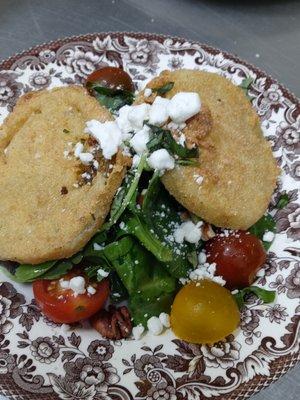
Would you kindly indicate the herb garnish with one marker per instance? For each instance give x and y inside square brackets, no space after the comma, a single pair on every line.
[164,89]
[113,99]
[245,86]
[283,201]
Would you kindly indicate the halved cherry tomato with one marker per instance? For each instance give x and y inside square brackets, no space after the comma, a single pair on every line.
[112,78]
[238,255]
[62,305]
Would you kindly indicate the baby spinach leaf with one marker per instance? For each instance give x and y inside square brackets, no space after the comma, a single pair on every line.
[264,224]
[267,296]
[113,99]
[118,291]
[162,138]
[283,201]
[164,88]
[58,270]
[29,272]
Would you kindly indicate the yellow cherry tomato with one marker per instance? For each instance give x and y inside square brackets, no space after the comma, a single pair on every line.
[204,312]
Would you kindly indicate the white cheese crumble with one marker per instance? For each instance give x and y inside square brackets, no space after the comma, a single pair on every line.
[101,272]
[268,236]
[147,92]
[98,247]
[158,114]
[65,327]
[77,284]
[107,134]
[122,120]
[189,232]
[140,139]
[161,160]
[64,284]
[78,149]
[155,326]
[202,257]
[198,179]
[183,106]
[137,331]
[86,158]
[165,319]
[135,160]
[137,115]
[91,290]
[206,271]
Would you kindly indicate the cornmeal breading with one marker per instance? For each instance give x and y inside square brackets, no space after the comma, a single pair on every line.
[44,214]
[236,163]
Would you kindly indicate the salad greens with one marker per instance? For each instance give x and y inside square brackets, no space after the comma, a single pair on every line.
[267,296]
[113,99]
[245,86]
[265,224]
[283,201]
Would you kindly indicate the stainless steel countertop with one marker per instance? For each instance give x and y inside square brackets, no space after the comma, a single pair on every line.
[265,33]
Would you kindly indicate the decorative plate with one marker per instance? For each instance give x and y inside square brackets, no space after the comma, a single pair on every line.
[40,360]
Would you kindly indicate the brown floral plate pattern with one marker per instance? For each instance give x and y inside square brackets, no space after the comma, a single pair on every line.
[40,360]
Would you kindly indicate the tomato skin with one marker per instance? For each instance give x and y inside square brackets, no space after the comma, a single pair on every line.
[238,255]
[112,78]
[61,306]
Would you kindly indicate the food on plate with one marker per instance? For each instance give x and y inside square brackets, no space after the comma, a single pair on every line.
[163,256]
[52,200]
[238,172]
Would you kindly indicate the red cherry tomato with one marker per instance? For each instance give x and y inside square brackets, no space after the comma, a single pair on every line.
[238,255]
[61,305]
[112,78]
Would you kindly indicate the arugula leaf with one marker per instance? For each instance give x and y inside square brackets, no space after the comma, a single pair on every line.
[283,201]
[245,85]
[162,138]
[267,296]
[124,196]
[29,272]
[264,224]
[164,89]
[113,99]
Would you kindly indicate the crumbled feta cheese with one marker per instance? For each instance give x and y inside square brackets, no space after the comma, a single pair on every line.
[107,134]
[183,106]
[158,114]
[136,160]
[91,290]
[181,139]
[147,92]
[155,326]
[86,175]
[137,331]
[161,160]
[140,139]
[268,236]
[77,284]
[165,319]
[122,120]
[198,179]
[102,273]
[206,271]
[137,115]
[235,291]
[66,153]
[86,158]
[260,273]
[98,247]
[202,257]
[64,284]
[95,164]
[65,327]
[78,149]
[188,231]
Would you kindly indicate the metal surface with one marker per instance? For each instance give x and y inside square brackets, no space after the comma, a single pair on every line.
[265,33]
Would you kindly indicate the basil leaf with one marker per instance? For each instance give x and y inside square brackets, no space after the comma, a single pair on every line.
[283,201]
[162,138]
[113,99]
[267,296]
[164,89]
[264,224]
[29,272]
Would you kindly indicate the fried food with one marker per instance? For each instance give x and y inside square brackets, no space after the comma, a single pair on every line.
[44,214]
[235,161]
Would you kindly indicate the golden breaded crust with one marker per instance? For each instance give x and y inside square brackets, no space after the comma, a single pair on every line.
[38,222]
[235,160]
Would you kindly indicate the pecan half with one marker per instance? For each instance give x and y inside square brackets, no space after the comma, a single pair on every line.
[114,324]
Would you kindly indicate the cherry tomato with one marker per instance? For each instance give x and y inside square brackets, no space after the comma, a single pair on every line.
[61,305]
[238,255]
[204,312]
[112,78]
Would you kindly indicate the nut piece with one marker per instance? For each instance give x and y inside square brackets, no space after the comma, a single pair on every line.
[114,324]
[207,232]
